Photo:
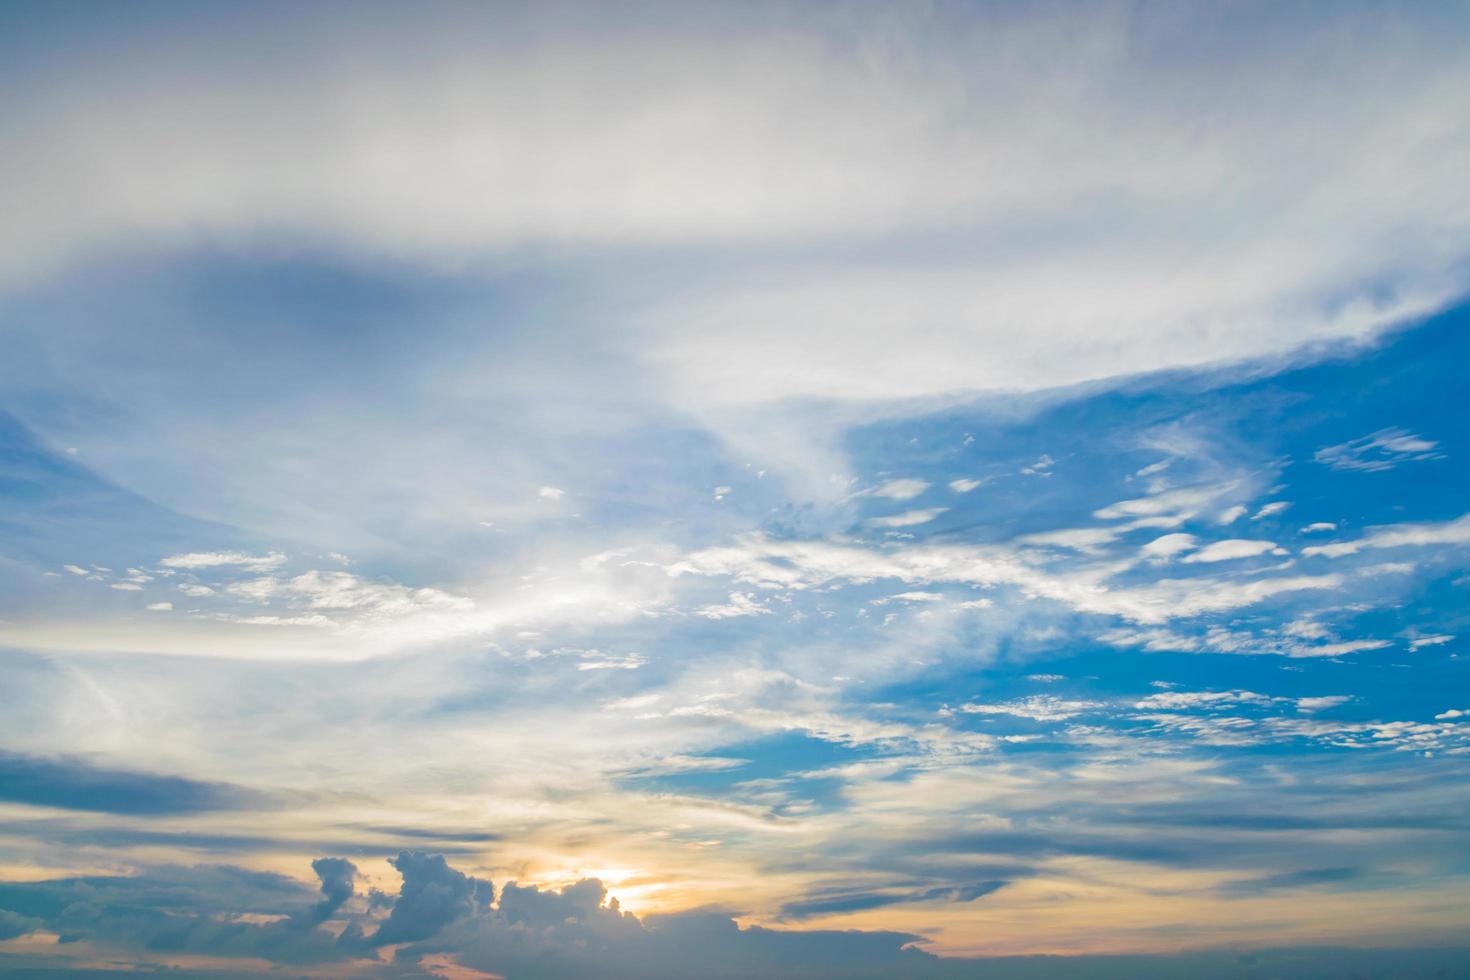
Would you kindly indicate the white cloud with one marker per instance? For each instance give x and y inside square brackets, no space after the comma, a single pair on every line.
[1170,545]
[126,586]
[1185,700]
[1336,649]
[764,562]
[1456,532]
[964,485]
[1420,642]
[740,604]
[1223,640]
[907,518]
[160,606]
[218,559]
[254,590]
[1318,527]
[1306,629]
[1037,707]
[1382,450]
[596,660]
[1313,705]
[76,569]
[345,591]
[1232,549]
[438,143]
[1088,539]
[1173,506]
[1271,509]
[904,489]
[550,493]
[1232,514]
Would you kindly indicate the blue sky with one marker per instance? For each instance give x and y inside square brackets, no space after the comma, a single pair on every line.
[562,490]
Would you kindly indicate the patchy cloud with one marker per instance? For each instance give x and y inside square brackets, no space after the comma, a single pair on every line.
[1382,450]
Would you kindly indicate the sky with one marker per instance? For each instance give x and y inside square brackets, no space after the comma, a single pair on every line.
[929,490]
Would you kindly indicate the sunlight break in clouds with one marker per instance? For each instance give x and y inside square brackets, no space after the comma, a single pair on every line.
[803,491]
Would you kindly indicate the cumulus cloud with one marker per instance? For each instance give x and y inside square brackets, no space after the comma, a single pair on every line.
[431,897]
[442,921]
[171,910]
[530,934]
[338,877]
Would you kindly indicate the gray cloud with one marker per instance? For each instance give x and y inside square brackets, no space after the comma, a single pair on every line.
[338,877]
[74,785]
[432,896]
[536,934]
[170,909]
[831,903]
[13,925]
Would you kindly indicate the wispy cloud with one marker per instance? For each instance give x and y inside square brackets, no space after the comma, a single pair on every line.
[1382,450]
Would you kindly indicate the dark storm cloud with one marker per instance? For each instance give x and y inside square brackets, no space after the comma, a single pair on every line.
[197,909]
[338,877]
[536,934]
[13,925]
[432,896]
